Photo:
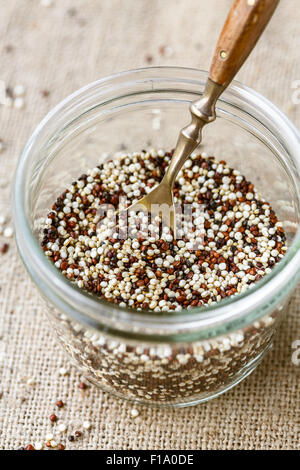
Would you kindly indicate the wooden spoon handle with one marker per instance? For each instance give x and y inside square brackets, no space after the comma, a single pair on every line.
[245,23]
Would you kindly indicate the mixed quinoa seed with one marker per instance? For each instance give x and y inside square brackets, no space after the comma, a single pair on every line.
[241,237]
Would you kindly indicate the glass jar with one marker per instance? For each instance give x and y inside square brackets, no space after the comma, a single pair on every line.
[165,359]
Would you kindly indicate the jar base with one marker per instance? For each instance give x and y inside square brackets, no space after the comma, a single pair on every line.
[243,374]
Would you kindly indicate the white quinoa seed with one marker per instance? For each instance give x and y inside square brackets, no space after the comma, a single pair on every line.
[63,371]
[30,381]
[62,427]
[19,102]
[134,412]
[8,232]
[19,90]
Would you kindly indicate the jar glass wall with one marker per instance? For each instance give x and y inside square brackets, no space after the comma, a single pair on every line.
[160,358]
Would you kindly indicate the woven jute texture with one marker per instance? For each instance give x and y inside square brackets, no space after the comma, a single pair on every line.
[59,49]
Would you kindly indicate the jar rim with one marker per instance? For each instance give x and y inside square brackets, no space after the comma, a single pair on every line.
[98,312]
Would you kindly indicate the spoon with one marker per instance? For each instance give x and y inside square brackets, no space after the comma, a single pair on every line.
[243,27]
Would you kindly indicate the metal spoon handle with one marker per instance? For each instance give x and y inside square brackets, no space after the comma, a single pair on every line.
[242,29]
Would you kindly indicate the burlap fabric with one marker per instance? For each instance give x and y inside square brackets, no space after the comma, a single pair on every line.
[59,49]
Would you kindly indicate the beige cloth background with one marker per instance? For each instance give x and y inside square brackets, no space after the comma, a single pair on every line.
[60,49]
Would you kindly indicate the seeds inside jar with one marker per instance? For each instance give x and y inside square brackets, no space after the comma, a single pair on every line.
[240,237]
